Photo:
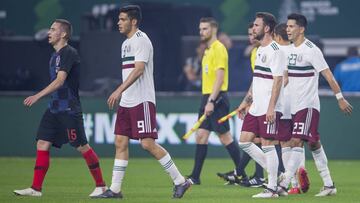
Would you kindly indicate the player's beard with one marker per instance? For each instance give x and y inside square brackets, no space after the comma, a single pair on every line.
[205,39]
[260,35]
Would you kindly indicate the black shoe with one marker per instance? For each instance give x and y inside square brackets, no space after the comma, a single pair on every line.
[233,179]
[109,194]
[223,175]
[193,180]
[179,190]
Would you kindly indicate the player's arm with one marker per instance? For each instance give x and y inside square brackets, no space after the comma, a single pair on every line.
[245,104]
[275,91]
[344,105]
[53,86]
[133,76]
[209,108]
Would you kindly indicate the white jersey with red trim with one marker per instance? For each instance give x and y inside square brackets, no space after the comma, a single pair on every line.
[138,48]
[305,62]
[270,61]
[285,97]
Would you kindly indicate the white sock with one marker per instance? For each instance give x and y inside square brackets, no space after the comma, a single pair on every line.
[254,152]
[171,169]
[321,164]
[293,165]
[272,162]
[285,155]
[118,174]
[302,164]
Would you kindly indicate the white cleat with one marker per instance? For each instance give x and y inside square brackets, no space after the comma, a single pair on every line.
[327,191]
[98,191]
[267,193]
[28,192]
[282,191]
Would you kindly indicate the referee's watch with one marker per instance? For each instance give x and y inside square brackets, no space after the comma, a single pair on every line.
[211,101]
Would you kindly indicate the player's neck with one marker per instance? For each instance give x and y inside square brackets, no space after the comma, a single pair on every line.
[132,32]
[283,43]
[299,41]
[266,40]
[59,45]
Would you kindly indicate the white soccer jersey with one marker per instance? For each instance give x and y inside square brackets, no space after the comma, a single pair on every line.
[285,97]
[305,62]
[270,61]
[138,48]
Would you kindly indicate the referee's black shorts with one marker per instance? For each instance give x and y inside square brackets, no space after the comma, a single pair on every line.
[61,128]
[222,108]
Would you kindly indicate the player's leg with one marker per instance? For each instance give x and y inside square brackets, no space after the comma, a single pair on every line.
[93,164]
[202,136]
[321,163]
[41,167]
[46,134]
[164,158]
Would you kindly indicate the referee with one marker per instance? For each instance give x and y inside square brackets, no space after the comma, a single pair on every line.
[214,103]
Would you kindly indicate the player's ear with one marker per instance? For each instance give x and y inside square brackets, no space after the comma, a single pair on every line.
[302,29]
[266,29]
[134,22]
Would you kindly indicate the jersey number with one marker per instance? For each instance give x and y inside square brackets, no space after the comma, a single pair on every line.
[298,128]
[292,59]
[71,134]
[141,126]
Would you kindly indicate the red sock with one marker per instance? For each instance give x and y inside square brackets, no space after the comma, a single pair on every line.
[93,163]
[41,166]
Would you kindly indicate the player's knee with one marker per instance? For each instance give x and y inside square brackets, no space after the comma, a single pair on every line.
[43,145]
[226,139]
[314,146]
[246,137]
[148,146]
[83,149]
[296,142]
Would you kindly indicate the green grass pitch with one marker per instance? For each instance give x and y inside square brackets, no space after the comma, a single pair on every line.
[68,180]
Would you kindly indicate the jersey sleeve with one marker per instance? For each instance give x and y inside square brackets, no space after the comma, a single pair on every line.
[317,60]
[278,63]
[67,60]
[221,59]
[142,50]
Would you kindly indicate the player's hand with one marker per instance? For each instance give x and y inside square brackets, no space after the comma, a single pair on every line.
[209,108]
[114,99]
[270,116]
[345,106]
[29,101]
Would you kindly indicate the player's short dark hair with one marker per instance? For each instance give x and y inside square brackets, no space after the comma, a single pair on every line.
[299,19]
[251,25]
[66,26]
[280,29]
[133,12]
[211,20]
[268,18]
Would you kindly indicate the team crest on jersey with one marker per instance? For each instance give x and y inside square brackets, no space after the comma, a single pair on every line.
[299,58]
[127,49]
[263,58]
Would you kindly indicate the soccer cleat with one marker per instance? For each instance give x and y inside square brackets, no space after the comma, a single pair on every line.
[179,190]
[233,179]
[303,180]
[28,192]
[193,180]
[98,191]
[281,191]
[256,182]
[108,194]
[327,191]
[223,175]
[267,193]
[294,191]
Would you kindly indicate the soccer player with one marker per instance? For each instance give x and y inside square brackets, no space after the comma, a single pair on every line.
[136,115]
[214,102]
[62,122]
[257,180]
[265,108]
[305,62]
[285,125]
